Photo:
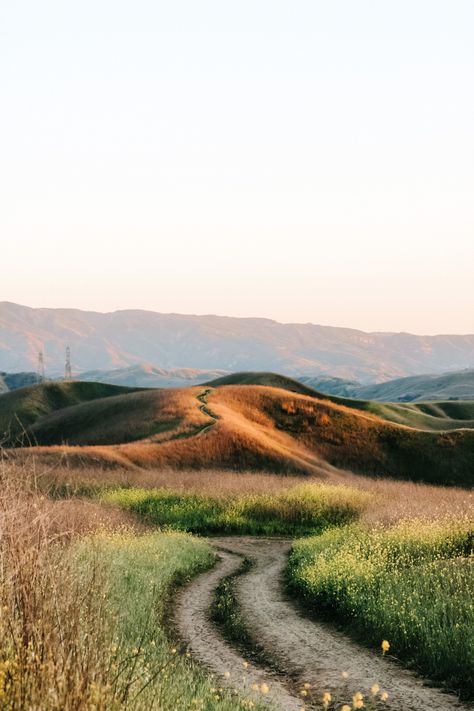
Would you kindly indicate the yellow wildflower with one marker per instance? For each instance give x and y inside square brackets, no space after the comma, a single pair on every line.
[385,646]
[327,698]
[375,689]
[264,688]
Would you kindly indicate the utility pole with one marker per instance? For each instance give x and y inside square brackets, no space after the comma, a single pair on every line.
[40,371]
[67,369]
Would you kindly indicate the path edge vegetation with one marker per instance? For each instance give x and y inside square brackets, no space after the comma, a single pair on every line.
[396,583]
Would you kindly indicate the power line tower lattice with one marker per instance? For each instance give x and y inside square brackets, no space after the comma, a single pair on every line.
[67,369]
[40,371]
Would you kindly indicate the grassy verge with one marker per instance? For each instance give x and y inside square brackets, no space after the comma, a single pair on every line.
[296,511]
[411,584]
[141,572]
[83,621]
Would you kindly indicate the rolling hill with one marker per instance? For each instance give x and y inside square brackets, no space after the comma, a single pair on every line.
[148,376]
[434,416]
[12,381]
[105,341]
[22,409]
[447,386]
[241,426]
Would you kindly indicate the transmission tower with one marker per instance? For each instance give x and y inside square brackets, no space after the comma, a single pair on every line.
[67,370]
[40,373]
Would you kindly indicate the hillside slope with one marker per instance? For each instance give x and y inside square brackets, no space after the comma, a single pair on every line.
[13,381]
[448,386]
[126,338]
[241,427]
[436,416]
[272,380]
[21,409]
[457,385]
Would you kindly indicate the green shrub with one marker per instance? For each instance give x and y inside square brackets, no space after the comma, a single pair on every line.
[411,584]
[297,511]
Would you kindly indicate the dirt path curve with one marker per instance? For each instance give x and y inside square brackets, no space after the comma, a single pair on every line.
[305,650]
[191,616]
[202,397]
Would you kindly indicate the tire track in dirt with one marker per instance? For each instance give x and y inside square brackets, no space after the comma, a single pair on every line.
[191,618]
[307,650]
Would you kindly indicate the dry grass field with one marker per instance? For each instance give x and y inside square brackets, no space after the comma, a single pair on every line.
[392,500]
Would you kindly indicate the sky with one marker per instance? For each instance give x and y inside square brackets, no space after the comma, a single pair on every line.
[305,160]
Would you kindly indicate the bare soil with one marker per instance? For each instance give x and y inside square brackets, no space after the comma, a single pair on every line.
[302,650]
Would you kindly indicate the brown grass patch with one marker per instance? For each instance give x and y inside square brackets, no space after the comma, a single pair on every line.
[258,428]
[393,500]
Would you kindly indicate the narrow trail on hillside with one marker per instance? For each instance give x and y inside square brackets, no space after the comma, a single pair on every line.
[301,650]
[197,430]
[202,397]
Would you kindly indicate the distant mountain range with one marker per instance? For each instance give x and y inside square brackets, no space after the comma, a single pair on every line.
[107,341]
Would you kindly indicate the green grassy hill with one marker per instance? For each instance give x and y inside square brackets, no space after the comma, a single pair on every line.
[438,416]
[271,380]
[21,410]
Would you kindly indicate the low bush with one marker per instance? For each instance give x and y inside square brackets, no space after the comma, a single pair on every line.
[296,511]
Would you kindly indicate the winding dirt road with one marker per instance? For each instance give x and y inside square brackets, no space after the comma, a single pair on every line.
[301,649]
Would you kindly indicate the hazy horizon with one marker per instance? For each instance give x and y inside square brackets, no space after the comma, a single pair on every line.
[304,162]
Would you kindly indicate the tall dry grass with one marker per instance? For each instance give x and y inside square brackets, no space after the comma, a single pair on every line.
[392,500]
[52,621]
[83,619]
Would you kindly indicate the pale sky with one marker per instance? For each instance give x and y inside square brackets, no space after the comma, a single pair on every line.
[305,160]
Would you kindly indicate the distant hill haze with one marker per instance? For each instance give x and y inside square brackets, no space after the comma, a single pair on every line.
[447,386]
[147,376]
[105,341]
